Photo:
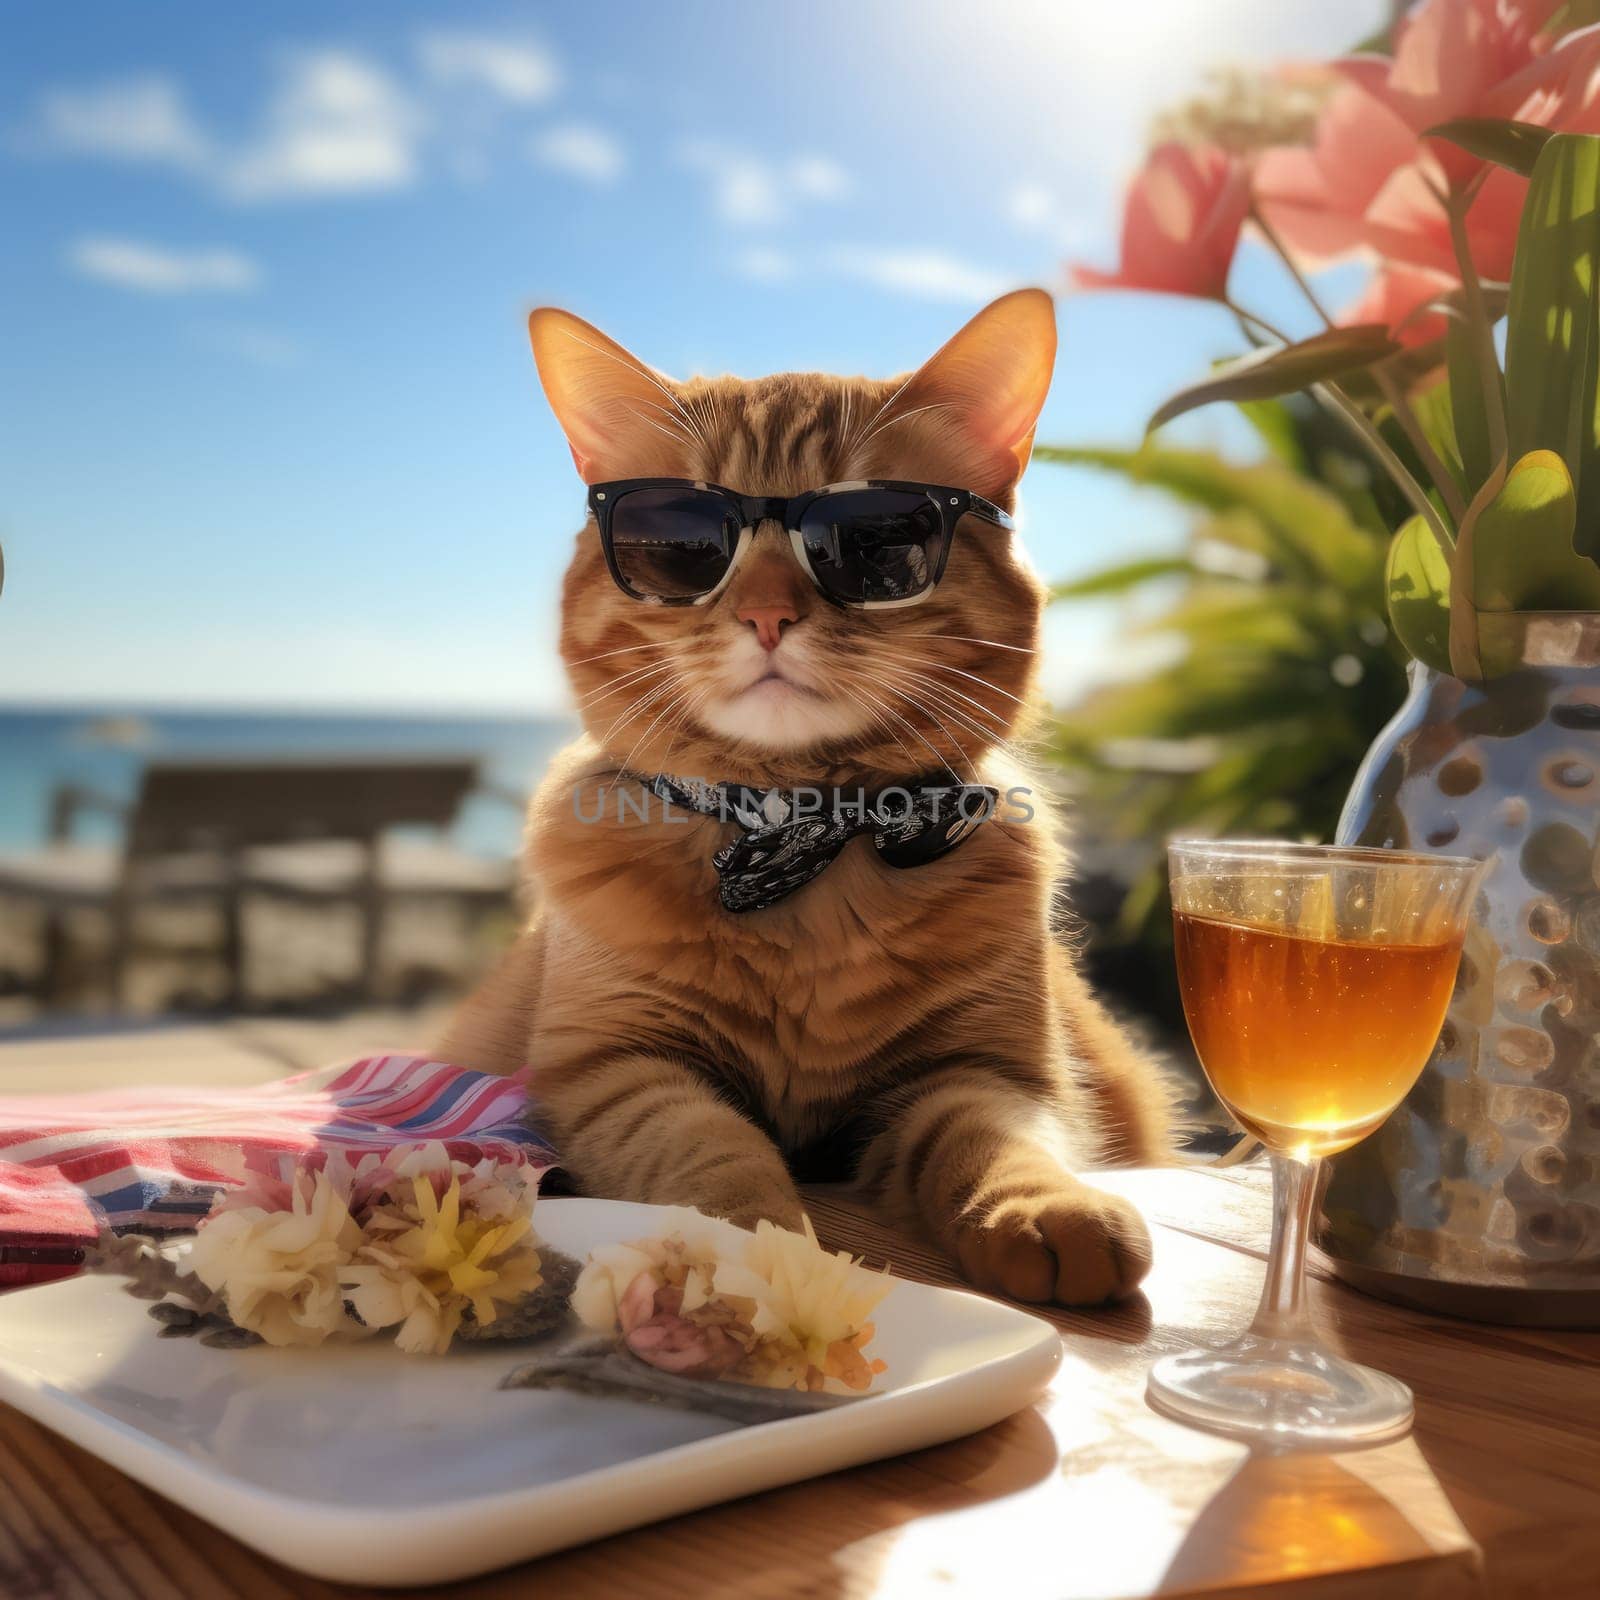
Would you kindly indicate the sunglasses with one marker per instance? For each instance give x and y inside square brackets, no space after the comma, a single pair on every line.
[673,542]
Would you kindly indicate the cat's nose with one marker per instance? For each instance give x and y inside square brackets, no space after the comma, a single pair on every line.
[768,621]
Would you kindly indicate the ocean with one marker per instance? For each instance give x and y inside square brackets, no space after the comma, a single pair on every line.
[107,750]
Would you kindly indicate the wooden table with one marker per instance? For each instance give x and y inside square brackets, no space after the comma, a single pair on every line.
[1089,1494]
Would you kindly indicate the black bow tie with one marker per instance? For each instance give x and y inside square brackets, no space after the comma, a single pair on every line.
[790,835]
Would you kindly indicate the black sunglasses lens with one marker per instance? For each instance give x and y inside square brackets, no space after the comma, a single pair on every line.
[867,546]
[672,544]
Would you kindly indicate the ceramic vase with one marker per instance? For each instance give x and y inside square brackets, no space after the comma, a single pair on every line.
[1480,1196]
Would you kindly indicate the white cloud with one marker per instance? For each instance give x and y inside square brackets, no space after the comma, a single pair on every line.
[927,274]
[1035,208]
[1030,206]
[581,150]
[515,70]
[766,265]
[743,189]
[818,178]
[261,347]
[335,122]
[337,125]
[152,270]
[139,120]
[751,191]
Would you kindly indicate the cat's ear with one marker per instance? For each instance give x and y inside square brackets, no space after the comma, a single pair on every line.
[980,395]
[619,416]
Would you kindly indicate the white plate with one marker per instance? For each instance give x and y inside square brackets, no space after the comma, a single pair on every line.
[363,1465]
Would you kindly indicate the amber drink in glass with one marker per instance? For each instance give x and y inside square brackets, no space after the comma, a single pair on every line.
[1315,982]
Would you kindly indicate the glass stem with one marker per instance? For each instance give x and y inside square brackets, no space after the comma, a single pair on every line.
[1282,1313]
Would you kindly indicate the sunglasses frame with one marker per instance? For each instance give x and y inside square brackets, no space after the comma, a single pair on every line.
[754,509]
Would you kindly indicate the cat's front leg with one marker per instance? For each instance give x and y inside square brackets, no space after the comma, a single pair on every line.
[979,1162]
[633,1126]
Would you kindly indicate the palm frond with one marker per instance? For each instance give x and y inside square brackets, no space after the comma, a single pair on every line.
[1281,668]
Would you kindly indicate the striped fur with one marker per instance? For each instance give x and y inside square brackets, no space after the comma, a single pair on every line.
[922,1030]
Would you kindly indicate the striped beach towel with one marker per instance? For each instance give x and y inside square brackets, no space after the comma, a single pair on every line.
[153,1159]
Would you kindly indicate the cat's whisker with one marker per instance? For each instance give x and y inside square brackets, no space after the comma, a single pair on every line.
[854,443]
[706,412]
[879,720]
[626,649]
[604,740]
[900,694]
[846,410]
[944,666]
[635,681]
[943,689]
[625,766]
[900,416]
[600,699]
[937,754]
[634,671]
[637,707]
[967,638]
[619,684]
[920,706]
[675,703]
[719,418]
[691,706]
[661,427]
[679,696]
[883,716]
[992,737]
[671,414]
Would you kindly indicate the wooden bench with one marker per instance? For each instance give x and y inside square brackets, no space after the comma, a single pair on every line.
[313,831]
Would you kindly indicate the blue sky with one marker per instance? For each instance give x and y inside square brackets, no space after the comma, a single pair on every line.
[269,429]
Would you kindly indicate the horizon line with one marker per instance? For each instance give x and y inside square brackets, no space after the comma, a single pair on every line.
[387,710]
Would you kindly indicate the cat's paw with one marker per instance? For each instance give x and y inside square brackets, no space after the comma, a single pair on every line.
[1076,1247]
[745,1210]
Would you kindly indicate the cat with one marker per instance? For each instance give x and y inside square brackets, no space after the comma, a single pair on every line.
[923,1029]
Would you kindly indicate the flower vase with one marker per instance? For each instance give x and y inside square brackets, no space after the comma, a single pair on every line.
[1480,1196]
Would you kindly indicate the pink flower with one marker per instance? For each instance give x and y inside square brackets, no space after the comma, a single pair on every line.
[1181,224]
[1370,183]
[649,1314]
[1397,297]
[1316,199]
[1475,58]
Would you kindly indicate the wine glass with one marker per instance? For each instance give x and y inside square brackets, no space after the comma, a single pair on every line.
[1315,981]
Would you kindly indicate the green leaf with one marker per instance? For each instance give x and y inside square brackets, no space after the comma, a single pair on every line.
[1435,414]
[1378,43]
[1418,579]
[1469,406]
[1522,555]
[1418,362]
[1465,661]
[1282,369]
[1575,14]
[1118,580]
[1309,526]
[1228,619]
[1508,144]
[1237,544]
[1275,424]
[1552,327]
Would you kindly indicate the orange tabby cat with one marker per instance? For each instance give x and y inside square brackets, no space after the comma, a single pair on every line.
[921,1028]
